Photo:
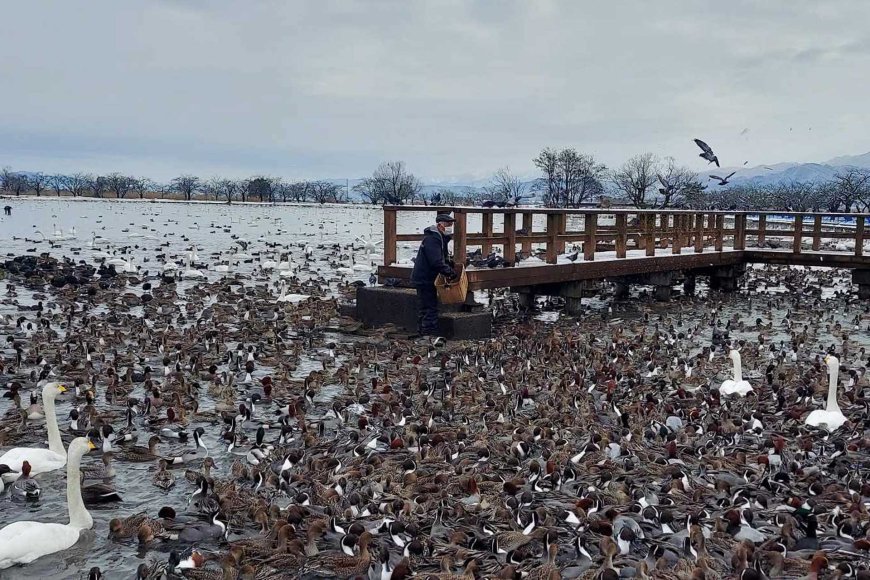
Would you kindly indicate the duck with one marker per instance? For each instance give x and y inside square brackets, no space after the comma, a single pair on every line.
[99,493]
[25,487]
[339,564]
[831,418]
[23,542]
[41,460]
[141,454]
[736,386]
[164,479]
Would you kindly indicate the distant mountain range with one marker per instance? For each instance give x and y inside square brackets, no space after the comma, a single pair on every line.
[789,172]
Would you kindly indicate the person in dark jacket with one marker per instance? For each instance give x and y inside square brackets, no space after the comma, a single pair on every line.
[432,259]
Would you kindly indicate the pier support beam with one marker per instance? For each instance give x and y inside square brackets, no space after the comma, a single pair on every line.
[574,306]
[526,300]
[726,278]
[663,293]
[621,290]
[689,285]
[862,279]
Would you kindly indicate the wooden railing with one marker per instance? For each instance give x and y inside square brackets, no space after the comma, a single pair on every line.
[622,230]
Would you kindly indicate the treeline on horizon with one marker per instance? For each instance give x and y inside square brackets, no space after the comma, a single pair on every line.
[568,179]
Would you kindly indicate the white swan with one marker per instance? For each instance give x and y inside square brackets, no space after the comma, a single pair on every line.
[192,273]
[831,418]
[737,386]
[267,264]
[41,460]
[25,541]
[368,246]
[291,298]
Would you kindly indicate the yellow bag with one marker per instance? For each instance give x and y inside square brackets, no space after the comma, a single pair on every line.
[452,292]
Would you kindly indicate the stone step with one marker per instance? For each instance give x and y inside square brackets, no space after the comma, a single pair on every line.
[378,306]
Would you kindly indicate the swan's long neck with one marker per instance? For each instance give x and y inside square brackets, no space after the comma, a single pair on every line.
[54,442]
[833,373]
[738,371]
[78,514]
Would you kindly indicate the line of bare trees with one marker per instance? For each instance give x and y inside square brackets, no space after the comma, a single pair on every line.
[568,179]
[848,191]
[119,186]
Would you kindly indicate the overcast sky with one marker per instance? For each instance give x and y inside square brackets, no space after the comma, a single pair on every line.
[455,89]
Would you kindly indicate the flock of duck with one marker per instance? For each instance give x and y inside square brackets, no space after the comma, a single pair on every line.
[213,430]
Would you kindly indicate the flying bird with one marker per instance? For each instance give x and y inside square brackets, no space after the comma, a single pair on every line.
[744,131]
[723,180]
[707,152]
[666,187]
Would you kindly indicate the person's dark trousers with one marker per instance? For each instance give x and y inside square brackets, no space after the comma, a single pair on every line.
[427,314]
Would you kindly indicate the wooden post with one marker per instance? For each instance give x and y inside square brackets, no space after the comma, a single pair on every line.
[740,231]
[563,227]
[677,235]
[798,233]
[528,227]
[590,220]
[718,232]
[486,246]
[460,237]
[762,229]
[621,237]
[510,232]
[699,233]
[817,232]
[859,235]
[389,237]
[650,219]
[664,229]
[552,232]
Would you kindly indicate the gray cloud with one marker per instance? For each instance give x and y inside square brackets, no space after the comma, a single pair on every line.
[308,88]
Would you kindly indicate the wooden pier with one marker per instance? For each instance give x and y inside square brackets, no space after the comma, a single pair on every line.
[623,242]
[567,252]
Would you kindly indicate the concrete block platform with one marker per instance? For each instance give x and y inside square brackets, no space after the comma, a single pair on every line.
[378,305]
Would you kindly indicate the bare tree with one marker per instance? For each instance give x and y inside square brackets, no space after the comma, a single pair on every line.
[98,185]
[797,196]
[262,187]
[18,183]
[678,186]
[851,188]
[6,178]
[570,178]
[37,182]
[390,183]
[57,182]
[325,192]
[140,186]
[299,191]
[119,184]
[77,183]
[505,187]
[228,188]
[163,188]
[635,179]
[186,185]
